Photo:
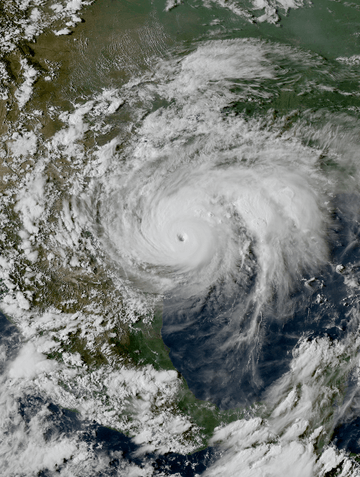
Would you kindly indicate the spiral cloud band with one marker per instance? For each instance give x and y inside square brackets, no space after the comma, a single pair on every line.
[206,196]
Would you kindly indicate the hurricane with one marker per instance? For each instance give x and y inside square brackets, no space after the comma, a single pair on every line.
[225,202]
[229,215]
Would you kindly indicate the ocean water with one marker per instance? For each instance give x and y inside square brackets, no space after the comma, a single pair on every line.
[179,262]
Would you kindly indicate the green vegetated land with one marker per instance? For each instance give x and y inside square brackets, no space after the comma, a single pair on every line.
[145,346]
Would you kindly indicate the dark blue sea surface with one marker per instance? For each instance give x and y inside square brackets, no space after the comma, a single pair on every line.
[205,337]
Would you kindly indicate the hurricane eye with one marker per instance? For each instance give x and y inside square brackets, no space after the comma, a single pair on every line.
[181,237]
